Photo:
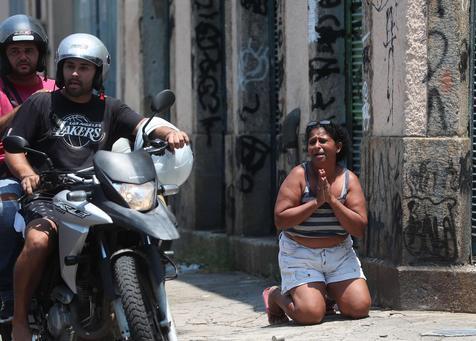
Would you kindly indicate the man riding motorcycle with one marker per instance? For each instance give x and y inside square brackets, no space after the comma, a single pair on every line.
[23,47]
[70,125]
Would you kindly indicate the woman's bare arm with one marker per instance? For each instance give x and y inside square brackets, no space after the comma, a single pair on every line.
[352,215]
[289,211]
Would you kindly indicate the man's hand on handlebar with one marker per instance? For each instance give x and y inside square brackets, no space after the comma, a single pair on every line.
[29,183]
[177,139]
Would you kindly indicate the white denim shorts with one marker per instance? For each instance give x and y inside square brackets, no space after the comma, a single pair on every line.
[300,265]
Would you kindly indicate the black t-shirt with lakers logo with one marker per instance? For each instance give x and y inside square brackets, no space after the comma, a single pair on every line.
[71,133]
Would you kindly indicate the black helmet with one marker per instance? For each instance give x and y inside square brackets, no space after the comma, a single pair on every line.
[18,28]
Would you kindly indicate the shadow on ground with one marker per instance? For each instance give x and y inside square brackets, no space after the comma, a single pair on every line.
[238,286]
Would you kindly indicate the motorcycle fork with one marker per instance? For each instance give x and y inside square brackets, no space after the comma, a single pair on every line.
[105,267]
[157,277]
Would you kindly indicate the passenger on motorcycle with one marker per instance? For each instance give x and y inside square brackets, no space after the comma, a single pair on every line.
[70,125]
[23,46]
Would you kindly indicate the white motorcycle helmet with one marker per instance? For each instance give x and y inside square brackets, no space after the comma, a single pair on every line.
[171,168]
[174,168]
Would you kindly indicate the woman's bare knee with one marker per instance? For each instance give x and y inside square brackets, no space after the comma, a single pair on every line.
[309,314]
[356,310]
[309,306]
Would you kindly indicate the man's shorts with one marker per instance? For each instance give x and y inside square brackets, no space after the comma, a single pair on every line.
[300,265]
[34,210]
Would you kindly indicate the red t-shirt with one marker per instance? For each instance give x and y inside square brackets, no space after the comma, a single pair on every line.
[23,92]
[5,105]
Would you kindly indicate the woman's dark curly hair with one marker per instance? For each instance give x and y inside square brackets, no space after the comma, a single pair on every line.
[337,132]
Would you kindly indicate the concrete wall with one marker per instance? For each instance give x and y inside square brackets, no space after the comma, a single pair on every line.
[129,74]
[181,115]
[209,113]
[416,165]
[326,60]
[248,142]
[417,135]
[388,62]
[292,81]
[155,39]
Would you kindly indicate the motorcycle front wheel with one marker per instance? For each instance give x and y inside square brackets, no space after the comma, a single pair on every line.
[134,300]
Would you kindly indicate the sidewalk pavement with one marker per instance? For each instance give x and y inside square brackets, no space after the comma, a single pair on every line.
[228,306]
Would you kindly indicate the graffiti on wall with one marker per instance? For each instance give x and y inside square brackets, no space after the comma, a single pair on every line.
[208,63]
[251,154]
[435,102]
[257,6]
[431,237]
[254,64]
[423,220]
[378,5]
[448,55]
[384,202]
[324,62]
[253,72]
[386,12]
[430,233]
[367,75]
[389,45]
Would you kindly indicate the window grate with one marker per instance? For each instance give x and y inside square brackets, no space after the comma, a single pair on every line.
[354,56]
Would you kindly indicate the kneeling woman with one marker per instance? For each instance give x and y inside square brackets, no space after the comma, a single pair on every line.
[320,205]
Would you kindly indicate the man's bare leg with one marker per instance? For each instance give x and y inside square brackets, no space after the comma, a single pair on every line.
[39,242]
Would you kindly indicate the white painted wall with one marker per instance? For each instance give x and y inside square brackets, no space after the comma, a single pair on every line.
[129,74]
[388,84]
[296,69]
[181,67]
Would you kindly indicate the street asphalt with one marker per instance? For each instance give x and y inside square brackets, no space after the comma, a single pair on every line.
[228,306]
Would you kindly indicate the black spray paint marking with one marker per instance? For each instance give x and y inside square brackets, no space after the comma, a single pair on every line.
[251,154]
[391,36]
[209,60]
[256,6]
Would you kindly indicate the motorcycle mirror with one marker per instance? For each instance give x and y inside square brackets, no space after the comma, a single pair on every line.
[160,104]
[162,101]
[17,144]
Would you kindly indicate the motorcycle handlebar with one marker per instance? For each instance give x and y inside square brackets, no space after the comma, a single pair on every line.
[156,147]
[52,180]
[79,179]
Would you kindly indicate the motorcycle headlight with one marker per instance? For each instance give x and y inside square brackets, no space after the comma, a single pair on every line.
[138,197]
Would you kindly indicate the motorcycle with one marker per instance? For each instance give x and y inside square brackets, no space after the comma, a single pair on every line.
[114,236]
